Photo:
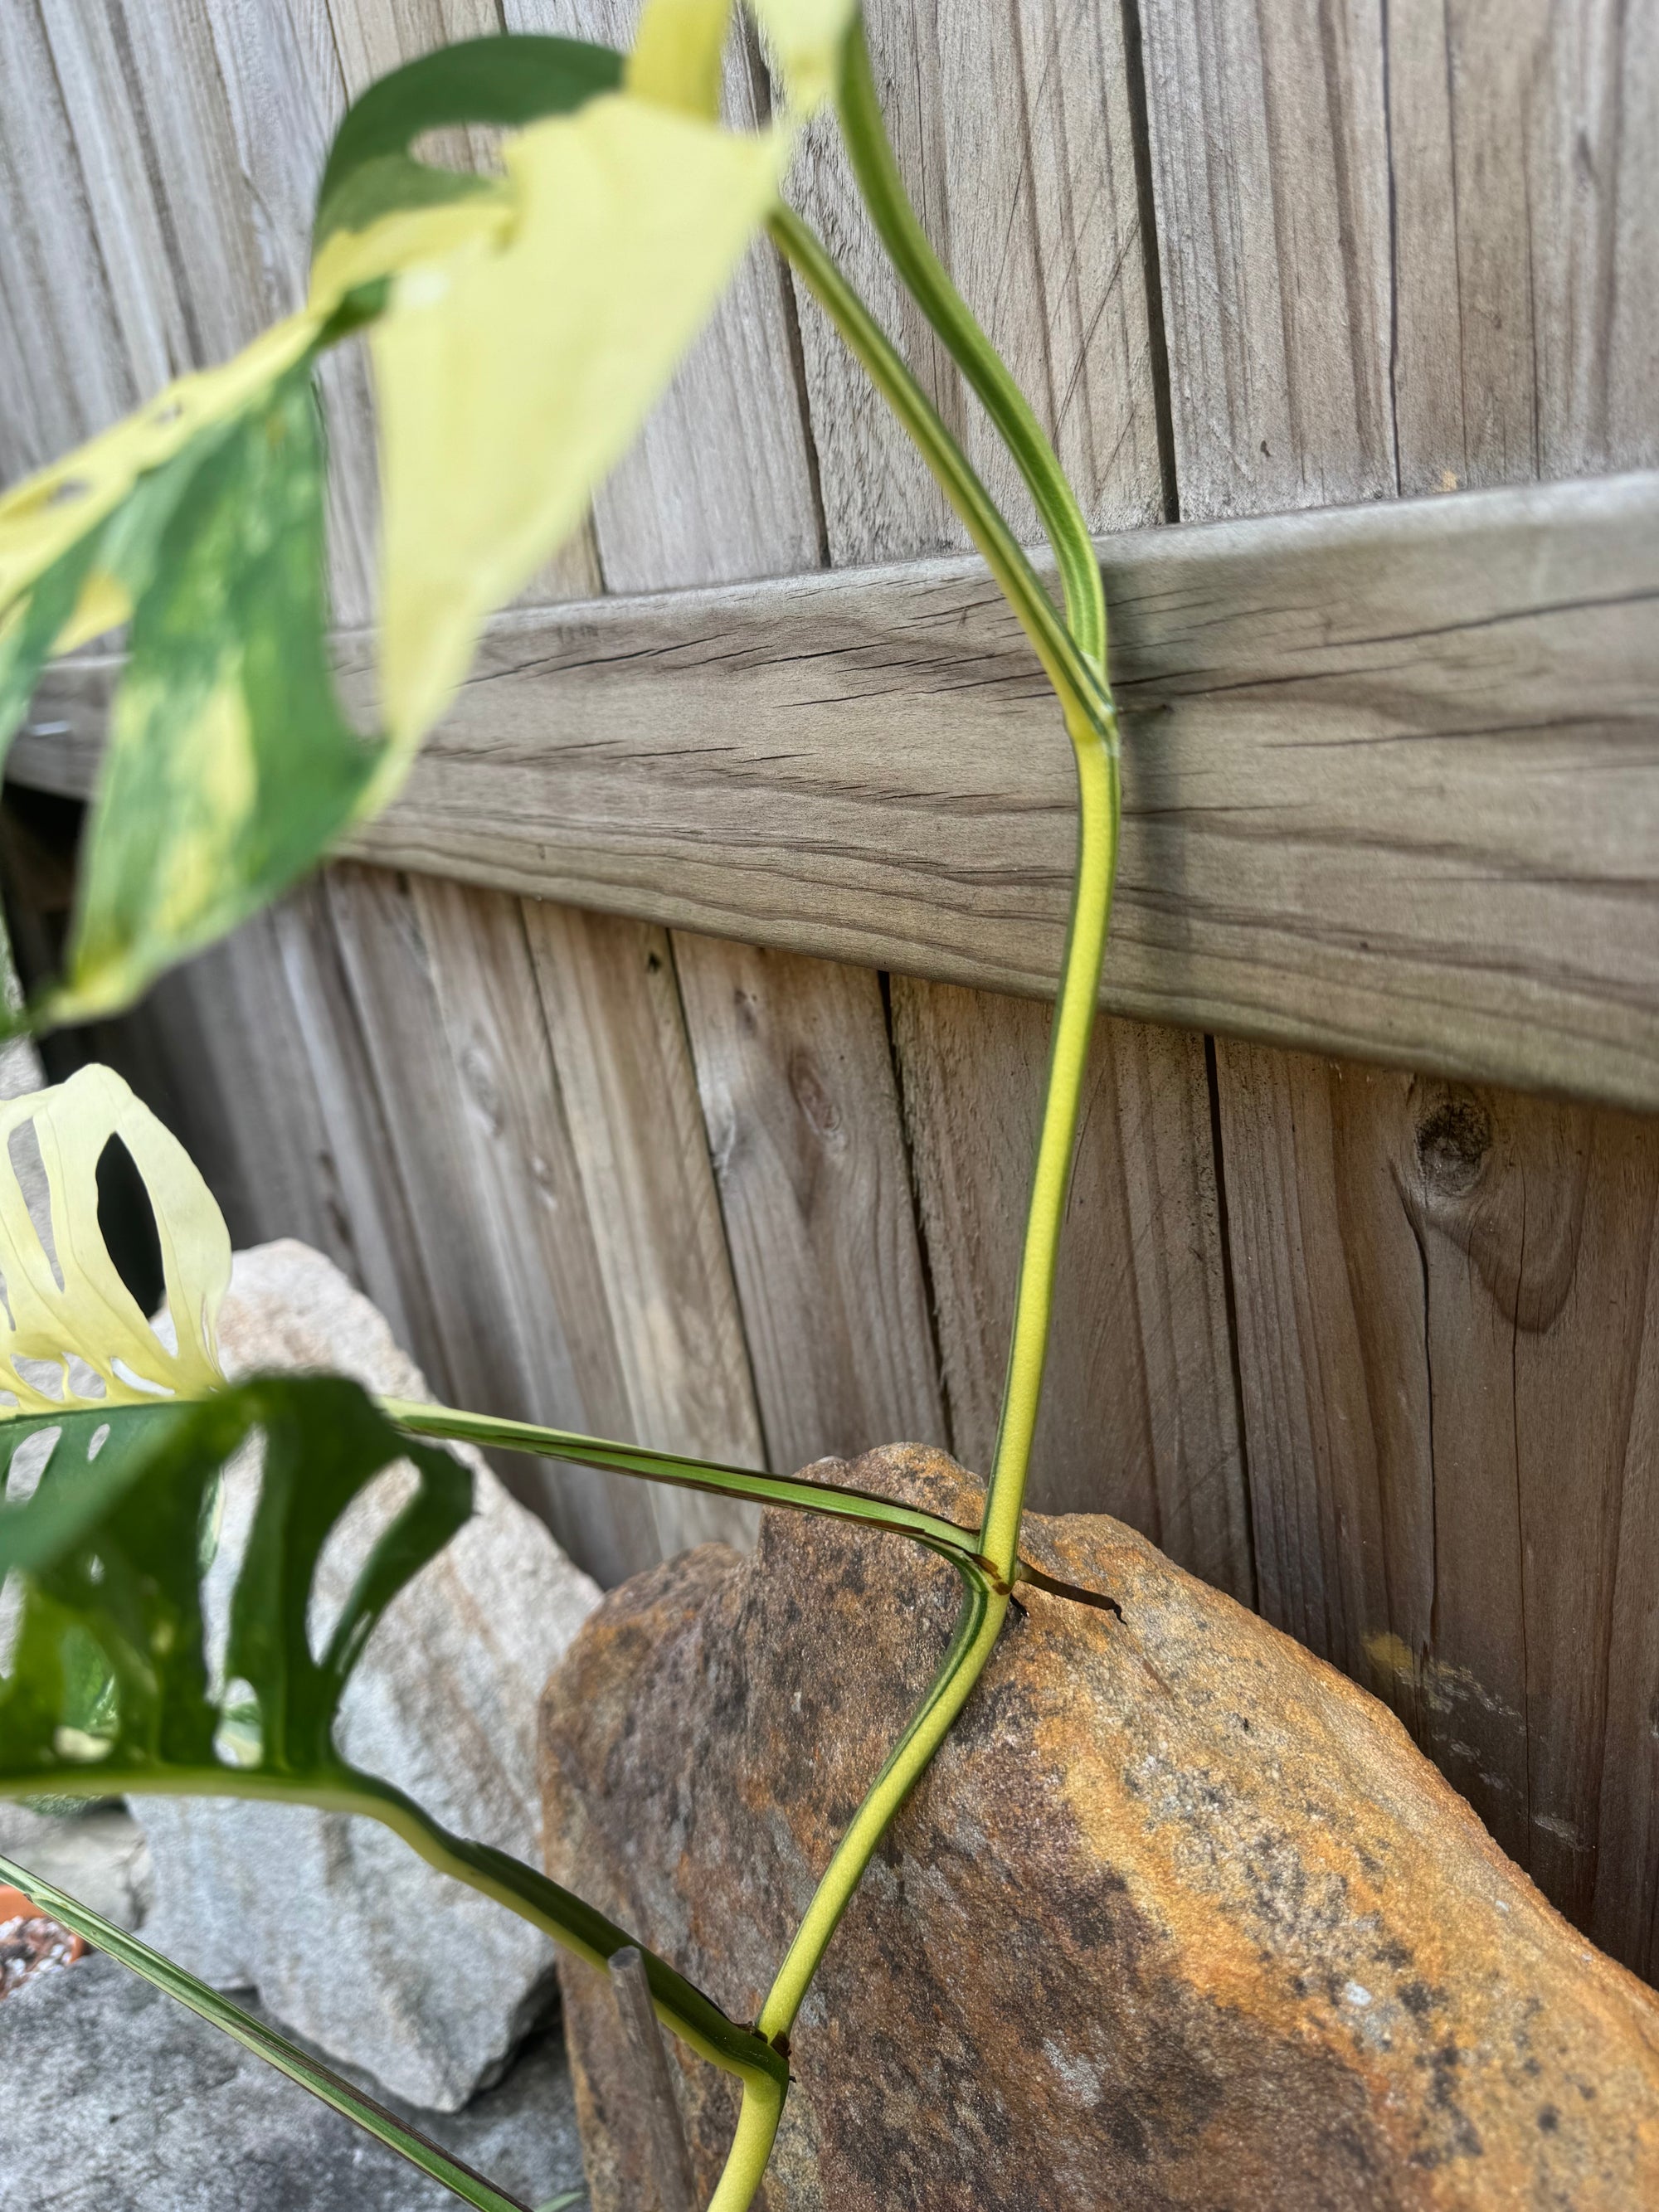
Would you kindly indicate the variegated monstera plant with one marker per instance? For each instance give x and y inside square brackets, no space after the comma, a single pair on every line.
[519,327]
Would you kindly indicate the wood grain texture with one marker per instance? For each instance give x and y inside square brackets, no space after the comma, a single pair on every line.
[1449,1326]
[798,1098]
[1390,776]
[1407,247]
[547,1309]
[1013,127]
[1140,1415]
[818,1218]
[1403,246]
[619,1039]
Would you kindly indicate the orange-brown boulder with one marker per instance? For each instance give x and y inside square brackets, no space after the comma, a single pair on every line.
[1179,1916]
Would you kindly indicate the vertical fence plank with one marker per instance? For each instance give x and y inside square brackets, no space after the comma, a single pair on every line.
[1527,256]
[494,1159]
[797,1093]
[1446,1333]
[833,1369]
[1392,243]
[618,1038]
[1140,1417]
[1014,130]
[1013,127]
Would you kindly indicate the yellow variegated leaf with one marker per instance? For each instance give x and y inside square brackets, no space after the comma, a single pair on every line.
[403,239]
[676,61]
[41,518]
[68,1301]
[510,382]
[46,514]
[805,38]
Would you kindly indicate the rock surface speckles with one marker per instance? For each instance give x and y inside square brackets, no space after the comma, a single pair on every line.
[1179,1918]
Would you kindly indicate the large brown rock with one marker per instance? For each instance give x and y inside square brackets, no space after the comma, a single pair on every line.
[1178,1918]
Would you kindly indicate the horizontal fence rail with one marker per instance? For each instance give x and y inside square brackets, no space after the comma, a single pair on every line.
[1392,776]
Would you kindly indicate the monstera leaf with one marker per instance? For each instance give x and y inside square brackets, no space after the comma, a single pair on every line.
[520,328]
[121,1439]
[115,1436]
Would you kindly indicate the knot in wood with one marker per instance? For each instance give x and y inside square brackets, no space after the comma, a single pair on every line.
[1453,1140]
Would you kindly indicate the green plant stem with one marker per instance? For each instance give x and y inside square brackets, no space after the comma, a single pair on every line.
[679,2004]
[718,1481]
[1079,681]
[322,2082]
[875,167]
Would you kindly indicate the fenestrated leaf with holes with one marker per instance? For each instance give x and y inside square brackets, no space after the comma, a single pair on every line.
[112,1443]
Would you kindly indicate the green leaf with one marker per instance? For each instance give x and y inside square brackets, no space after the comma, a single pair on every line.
[58,585]
[276,2050]
[511,81]
[124,1569]
[230,766]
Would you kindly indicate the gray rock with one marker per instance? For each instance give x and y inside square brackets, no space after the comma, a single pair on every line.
[117,2100]
[95,1852]
[350,1940]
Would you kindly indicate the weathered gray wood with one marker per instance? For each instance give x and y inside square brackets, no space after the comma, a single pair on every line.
[1394,240]
[1011,124]
[494,1266]
[1448,1326]
[1140,1417]
[1527,253]
[618,1040]
[652,2085]
[827,1272]
[1403,246]
[1390,774]
[798,1094]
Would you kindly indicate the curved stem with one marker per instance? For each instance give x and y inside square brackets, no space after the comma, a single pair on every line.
[939,1535]
[1077,680]
[680,2005]
[1100,808]
[978,1625]
[876,168]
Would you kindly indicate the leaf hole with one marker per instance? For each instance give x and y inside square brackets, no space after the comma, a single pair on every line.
[11,1619]
[126,1222]
[238,1740]
[134,1381]
[29,1171]
[44,1376]
[28,1464]
[72,488]
[349,1541]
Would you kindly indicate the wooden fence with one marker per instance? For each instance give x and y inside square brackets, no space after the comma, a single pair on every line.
[655,1064]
